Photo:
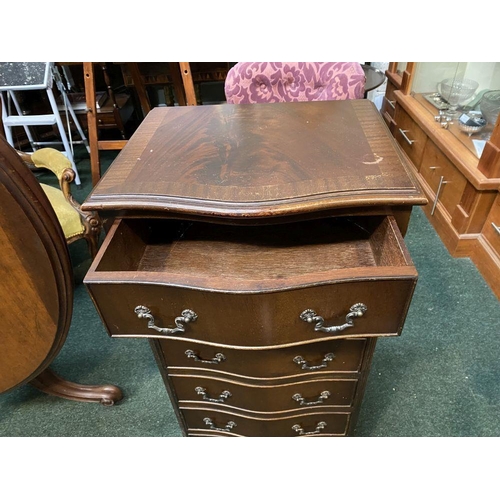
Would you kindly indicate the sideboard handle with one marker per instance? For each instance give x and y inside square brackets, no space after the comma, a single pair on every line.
[310,316]
[297,428]
[305,365]
[391,103]
[442,182]
[302,401]
[218,358]
[495,227]
[186,316]
[228,428]
[406,138]
[201,391]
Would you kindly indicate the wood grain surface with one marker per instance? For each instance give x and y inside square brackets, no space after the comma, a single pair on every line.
[36,279]
[248,215]
[258,160]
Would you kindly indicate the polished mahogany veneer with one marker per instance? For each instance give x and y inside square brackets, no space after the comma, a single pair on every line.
[258,160]
[259,248]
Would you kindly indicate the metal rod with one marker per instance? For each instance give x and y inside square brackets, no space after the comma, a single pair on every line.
[407,139]
[441,182]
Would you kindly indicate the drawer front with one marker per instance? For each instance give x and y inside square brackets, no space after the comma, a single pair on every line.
[259,319]
[410,136]
[314,359]
[226,423]
[260,398]
[442,177]
[389,102]
[491,229]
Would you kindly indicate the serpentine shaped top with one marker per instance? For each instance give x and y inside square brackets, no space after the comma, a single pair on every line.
[258,161]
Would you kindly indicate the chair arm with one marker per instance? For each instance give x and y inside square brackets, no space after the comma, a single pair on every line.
[58,164]
[52,160]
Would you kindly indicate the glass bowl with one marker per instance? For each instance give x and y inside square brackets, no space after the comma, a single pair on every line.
[457,91]
[490,106]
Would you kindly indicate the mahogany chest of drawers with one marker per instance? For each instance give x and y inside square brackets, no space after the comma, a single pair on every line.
[259,248]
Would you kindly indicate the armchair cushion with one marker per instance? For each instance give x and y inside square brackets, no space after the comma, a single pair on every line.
[252,82]
[68,217]
[52,159]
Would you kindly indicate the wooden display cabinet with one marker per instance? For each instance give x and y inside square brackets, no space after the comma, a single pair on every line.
[459,173]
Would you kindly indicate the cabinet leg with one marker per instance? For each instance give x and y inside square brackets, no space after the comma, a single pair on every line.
[50,383]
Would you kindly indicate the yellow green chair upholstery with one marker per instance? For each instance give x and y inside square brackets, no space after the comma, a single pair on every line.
[75,223]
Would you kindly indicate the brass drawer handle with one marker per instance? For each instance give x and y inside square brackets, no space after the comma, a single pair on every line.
[321,398]
[310,316]
[201,391]
[407,139]
[218,358]
[495,227]
[186,316]
[305,365]
[209,423]
[297,428]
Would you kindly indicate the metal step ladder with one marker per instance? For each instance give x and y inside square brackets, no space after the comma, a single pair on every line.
[25,76]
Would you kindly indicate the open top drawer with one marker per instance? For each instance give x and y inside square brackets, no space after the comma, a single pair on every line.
[253,285]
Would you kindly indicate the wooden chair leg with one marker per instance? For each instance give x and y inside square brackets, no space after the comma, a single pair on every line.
[187,80]
[50,383]
[92,240]
[177,83]
[111,95]
[89,80]
[140,88]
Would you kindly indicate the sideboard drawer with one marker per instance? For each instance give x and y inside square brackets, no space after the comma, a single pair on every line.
[446,182]
[264,398]
[312,359]
[245,286]
[409,136]
[491,229]
[227,423]
[389,102]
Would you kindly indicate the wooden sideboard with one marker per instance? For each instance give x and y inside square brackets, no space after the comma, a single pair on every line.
[260,250]
[461,187]
[486,252]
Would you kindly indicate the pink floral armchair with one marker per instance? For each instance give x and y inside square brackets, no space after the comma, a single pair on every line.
[252,82]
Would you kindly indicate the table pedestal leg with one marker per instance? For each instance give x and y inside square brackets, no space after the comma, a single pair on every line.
[50,383]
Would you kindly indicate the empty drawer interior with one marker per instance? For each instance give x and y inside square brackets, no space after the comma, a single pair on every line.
[263,252]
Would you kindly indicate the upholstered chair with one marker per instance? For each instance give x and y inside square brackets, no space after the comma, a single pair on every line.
[254,82]
[75,223]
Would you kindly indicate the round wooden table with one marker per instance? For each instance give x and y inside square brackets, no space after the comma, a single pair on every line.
[36,288]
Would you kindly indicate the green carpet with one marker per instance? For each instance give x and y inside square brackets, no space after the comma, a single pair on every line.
[441,378]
